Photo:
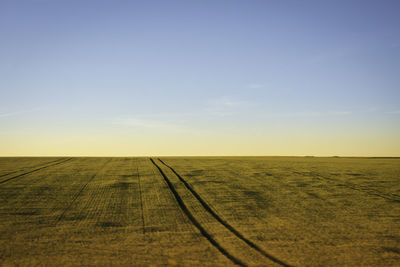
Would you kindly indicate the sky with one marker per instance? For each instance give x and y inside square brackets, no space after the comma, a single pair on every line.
[234,77]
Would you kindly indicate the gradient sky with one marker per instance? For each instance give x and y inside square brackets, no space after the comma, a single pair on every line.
[234,77]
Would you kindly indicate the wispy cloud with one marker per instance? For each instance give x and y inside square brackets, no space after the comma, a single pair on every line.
[144,123]
[15,113]
[255,86]
[393,112]
[150,124]
[225,106]
[339,112]
[183,122]
[309,114]
[295,114]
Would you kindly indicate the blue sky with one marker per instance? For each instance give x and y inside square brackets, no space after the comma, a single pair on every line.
[199,77]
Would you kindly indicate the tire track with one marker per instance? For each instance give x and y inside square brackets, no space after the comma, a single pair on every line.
[34,166]
[196,223]
[35,170]
[223,222]
[80,192]
[141,198]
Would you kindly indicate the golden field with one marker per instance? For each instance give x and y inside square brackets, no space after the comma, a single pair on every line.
[208,211]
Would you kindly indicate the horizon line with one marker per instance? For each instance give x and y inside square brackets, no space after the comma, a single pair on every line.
[194,156]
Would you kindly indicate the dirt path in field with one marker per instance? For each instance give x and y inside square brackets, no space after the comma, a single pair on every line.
[35,170]
[251,246]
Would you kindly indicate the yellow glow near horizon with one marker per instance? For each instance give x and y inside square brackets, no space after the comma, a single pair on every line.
[196,144]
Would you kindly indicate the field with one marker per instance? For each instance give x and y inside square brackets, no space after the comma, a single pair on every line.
[246,211]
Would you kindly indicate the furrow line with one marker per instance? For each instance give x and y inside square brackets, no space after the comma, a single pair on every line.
[196,223]
[367,191]
[80,192]
[141,198]
[35,170]
[34,166]
[223,222]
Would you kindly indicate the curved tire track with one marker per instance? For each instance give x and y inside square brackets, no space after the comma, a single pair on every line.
[196,223]
[35,170]
[223,222]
